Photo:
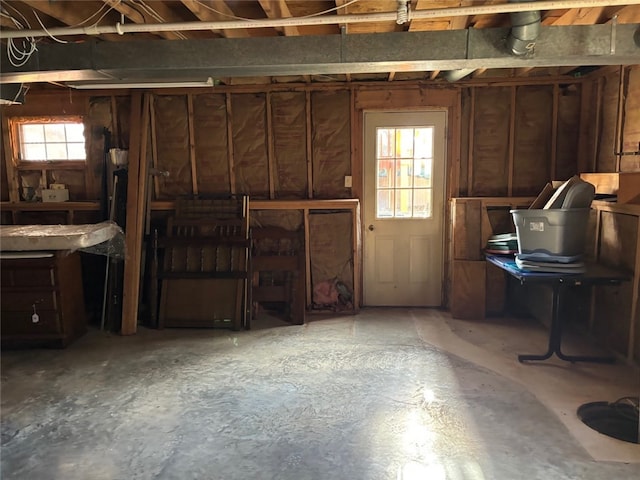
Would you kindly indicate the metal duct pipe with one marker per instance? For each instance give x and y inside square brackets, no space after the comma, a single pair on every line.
[455,75]
[321,20]
[524,31]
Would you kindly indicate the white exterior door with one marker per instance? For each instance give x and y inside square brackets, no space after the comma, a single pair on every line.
[404,155]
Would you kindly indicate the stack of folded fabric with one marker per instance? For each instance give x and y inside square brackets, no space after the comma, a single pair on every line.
[540,262]
[502,244]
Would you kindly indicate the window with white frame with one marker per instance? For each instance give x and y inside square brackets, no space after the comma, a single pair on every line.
[53,141]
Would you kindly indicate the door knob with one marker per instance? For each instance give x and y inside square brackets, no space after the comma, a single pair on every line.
[371,228]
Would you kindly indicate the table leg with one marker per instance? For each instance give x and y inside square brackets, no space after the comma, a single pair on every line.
[555,339]
[555,333]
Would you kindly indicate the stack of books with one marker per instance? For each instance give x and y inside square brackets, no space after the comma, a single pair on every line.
[502,244]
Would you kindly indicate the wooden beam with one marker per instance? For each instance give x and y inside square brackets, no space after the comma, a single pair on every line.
[576,16]
[232,168]
[135,212]
[192,145]
[434,74]
[391,76]
[512,146]
[69,13]
[472,109]
[271,155]
[204,10]
[307,256]
[137,17]
[554,132]
[154,146]
[279,9]
[12,173]
[309,146]
[618,140]
[524,71]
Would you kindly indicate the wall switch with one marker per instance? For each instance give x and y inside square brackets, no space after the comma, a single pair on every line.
[347,181]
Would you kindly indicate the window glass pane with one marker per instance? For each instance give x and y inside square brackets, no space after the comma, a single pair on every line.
[384,208]
[76,151]
[403,202]
[56,151]
[34,151]
[54,132]
[424,142]
[404,142]
[422,203]
[404,173]
[423,173]
[385,173]
[75,132]
[32,133]
[385,142]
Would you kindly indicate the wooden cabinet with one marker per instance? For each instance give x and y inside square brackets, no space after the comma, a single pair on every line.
[51,288]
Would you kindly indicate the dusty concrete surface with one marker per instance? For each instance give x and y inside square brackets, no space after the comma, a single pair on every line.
[387,394]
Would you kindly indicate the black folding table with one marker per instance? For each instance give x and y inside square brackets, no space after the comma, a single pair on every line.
[595,274]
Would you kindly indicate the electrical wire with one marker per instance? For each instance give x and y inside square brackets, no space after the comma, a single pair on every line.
[156,16]
[252,19]
[47,31]
[18,55]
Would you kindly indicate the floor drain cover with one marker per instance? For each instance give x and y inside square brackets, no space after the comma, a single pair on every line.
[618,419]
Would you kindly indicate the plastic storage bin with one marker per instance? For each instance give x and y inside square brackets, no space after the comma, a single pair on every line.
[558,232]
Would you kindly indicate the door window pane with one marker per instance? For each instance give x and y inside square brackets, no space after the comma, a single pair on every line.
[404,168]
[422,203]
[385,204]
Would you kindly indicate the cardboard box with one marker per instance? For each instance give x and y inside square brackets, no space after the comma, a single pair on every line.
[56,195]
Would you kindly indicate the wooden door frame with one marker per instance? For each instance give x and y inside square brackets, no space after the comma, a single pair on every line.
[406,99]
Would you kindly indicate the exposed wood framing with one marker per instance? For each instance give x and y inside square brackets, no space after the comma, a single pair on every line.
[136,17]
[598,121]
[512,142]
[634,300]
[200,10]
[232,170]
[307,256]
[309,147]
[434,74]
[618,139]
[135,209]
[279,9]
[554,132]
[12,173]
[154,145]
[392,75]
[271,156]
[472,110]
[192,145]
[356,159]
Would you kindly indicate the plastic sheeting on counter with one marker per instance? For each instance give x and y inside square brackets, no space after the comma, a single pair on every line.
[105,238]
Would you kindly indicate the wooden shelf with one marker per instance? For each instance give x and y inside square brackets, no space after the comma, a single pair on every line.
[48,207]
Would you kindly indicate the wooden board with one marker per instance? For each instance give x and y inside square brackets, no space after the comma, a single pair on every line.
[495,290]
[468,289]
[467,244]
[606,160]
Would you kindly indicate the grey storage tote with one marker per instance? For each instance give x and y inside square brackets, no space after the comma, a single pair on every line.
[559,231]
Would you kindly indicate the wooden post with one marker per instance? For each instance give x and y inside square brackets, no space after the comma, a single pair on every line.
[232,170]
[154,146]
[192,145]
[512,138]
[307,255]
[270,149]
[554,132]
[12,173]
[634,300]
[137,179]
[617,141]
[309,147]
[470,152]
[596,132]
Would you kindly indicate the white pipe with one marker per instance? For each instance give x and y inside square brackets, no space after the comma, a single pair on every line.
[320,20]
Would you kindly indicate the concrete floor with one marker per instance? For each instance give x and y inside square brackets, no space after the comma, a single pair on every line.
[387,394]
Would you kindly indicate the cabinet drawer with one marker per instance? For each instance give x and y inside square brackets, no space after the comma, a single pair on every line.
[18,301]
[20,323]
